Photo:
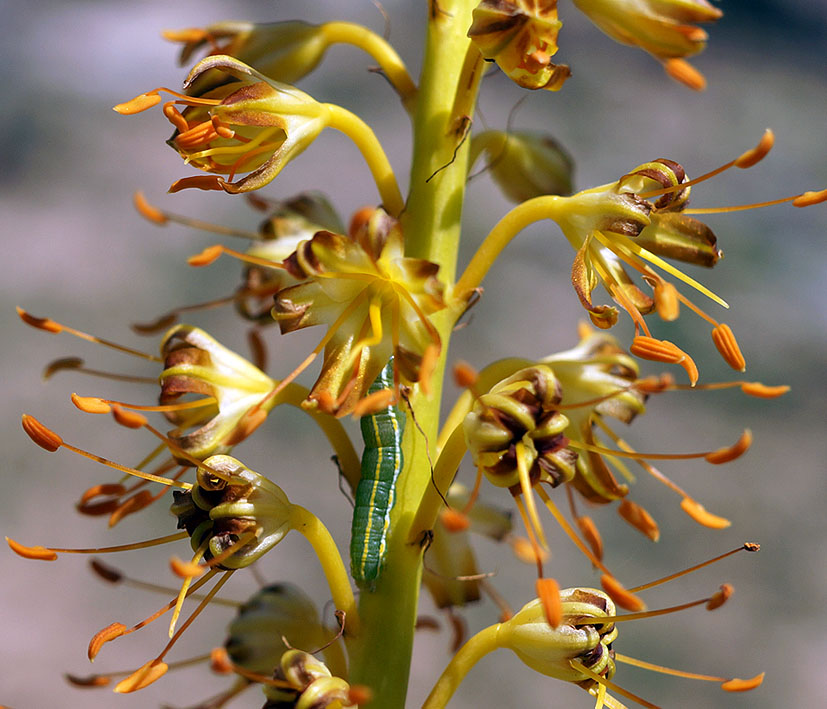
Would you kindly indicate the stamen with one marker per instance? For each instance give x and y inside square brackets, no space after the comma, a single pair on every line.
[526,487]
[722,455]
[50,553]
[76,364]
[727,345]
[620,595]
[725,455]
[143,677]
[682,71]
[465,376]
[161,217]
[110,632]
[762,391]
[151,98]
[199,182]
[580,667]
[373,403]
[807,199]
[211,253]
[586,525]
[548,591]
[44,437]
[426,368]
[639,518]
[453,521]
[664,351]
[700,514]
[742,685]
[721,597]
[729,685]
[91,404]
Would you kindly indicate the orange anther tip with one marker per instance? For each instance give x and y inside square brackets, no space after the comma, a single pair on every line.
[220,662]
[525,551]
[758,153]
[137,502]
[584,330]
[724,455]
[743,685]
[620,595]
[465,375]
[199,182]
[426,368]
[46,324]
[666,301]
[101,489]
[752,546]
[727,345]
[207,256]
[698,512]
[90,681]
[360,694]
[373,403]
[453,520]
[110,632]
[685,73]
[589,531]
[639,518]
[39,553]
[810,198]
[187,35]
[762,391]
[720,597]
[656,350]
[130,419]
[137,104]
[107,573]
[548,591]
[44,437]
[91,404]
[162,323]
[141,678]
[146,210]
[359,220]
[186,569]
[246,426]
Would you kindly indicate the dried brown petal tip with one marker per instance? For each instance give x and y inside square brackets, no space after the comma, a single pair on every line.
[465,375]
[39,553]
[141,678]
[682,71]
[620,595]
[206,257]
[162,323]
[107,573]
[130,419]
[762,391]
[46,324]
[725,455]
[61,364]
[186,569]
[548,591]
[721,596]
[698,512]
[639,518]
[743,685]
[41,435]
[146,210]
[727,345]
[808,199]
[91,404]
[454,520]
[90,681]
[758,153]
[220,662]
[110,632]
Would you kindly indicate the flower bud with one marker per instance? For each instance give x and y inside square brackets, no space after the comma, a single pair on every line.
[312,685]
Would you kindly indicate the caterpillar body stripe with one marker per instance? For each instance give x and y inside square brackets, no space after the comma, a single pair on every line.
[382,462]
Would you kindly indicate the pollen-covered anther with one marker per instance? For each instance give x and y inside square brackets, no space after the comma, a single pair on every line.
[808,199]
[742,685]
[110,632]
[664,351]
[625,599]
[727,345]
[762,391]
[143,677]
[702,516]
[138,104]
[639,518]
[129,419]
[91,404]
[453,520]
[725,455]
[39,553]
[360,694]
[147,211]
[526,552]
[720,597]
[591,534]
[46,324]
[548,591]
[44,437]
[759,152]
[682,71]
[186,569]
[465,376]
[666,301]
[206,257]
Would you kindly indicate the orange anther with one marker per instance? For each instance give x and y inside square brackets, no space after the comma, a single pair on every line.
[685,73]
[639,518]
[359,220]
[762,391]
[46,324]
[41,435]
[810,198]
[758,153]
[699,513]
[727,345]
[454,520]
[222,129]
[110,632]
[39,553]
[246,426]
[200,182]
[90,681]
[664,351]
[427,366]
[465,375]
[137,104]
[525,551]
[724,455]
[146,675]
[591,534]
[187,35]
[548,591]
[207,256]
[743,685]
[655,384]
[220,662]
[186,569]
[721,596]
[91,404]
[620,595]
[137,502]
[130,419]
[175,117]
[162,323]
[360,694]
[107,573]
[60,364]
[666,301]
[101,489]
[372,403]
[146,210]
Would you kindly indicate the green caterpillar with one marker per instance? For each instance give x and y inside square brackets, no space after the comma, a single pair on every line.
[382,462]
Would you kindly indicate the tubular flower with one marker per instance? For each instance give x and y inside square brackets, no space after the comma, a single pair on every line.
[521,36]
[195,363]
[661,27]
[376,302]
[309,684]
[524,164]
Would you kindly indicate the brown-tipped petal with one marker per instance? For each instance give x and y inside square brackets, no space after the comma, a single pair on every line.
[454,520]
[743,685]
[206,257]
[639,518]
[137,104]
[199,182]
[186,569]
[620,595]
[59,365]
[465,375]
[130,419]
[107,573]
[592,536]
[698,512]
[110,632]
[146,210]
[141,678]
[721,596]
[360,694]
[373,403]
[758,153]
[682,71]
[548,591]
[38,552]
[762,391]
[91,404]
[46,324]
[810,198]
[137,502]
[41,435]
[220,662]
[90,681]
[727,345]
[725,455]
[246,426]
[525,551]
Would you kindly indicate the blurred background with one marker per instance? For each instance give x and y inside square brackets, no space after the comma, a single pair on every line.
[76,251]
